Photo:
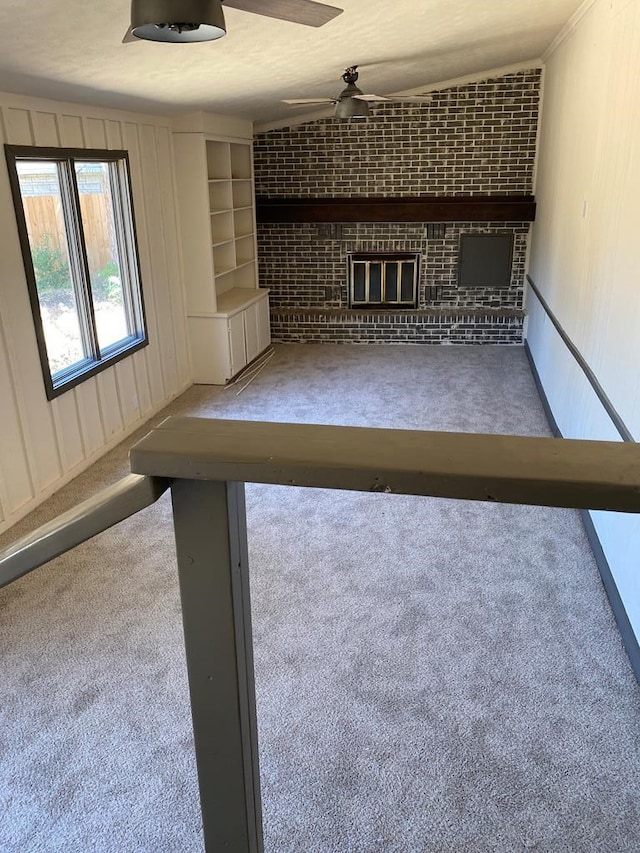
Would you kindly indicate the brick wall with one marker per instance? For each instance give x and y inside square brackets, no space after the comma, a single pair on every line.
[474,139]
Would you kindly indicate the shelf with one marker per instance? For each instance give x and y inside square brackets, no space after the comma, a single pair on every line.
[242,194]
[246,275]
[242,277]
[238,298]
[218,160]
[220,195]
[245,250]
[224,257]
[245,235]
[243,223]
[240,157]
[224,282]
[222,228]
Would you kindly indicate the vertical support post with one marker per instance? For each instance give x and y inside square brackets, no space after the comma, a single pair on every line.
[211,545]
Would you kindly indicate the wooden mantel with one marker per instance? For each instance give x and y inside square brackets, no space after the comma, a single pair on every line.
[486,208]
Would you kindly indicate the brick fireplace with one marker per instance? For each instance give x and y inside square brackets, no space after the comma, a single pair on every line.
[471,142]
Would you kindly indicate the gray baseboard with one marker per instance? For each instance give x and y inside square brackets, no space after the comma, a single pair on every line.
[629,640]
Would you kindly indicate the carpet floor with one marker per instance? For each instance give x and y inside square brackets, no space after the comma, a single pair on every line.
[432,676]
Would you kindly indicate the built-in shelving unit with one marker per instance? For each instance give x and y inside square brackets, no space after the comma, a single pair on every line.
[232,212]
[227,313]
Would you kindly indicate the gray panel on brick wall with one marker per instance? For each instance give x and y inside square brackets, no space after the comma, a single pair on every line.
[485,260]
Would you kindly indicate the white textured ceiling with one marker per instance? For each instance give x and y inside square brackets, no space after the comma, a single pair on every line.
[72,50]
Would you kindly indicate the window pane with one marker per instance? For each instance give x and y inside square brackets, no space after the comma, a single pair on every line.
[375,282]
[391,282]
[42,204]
[359,278]
[103,256]
[407,293]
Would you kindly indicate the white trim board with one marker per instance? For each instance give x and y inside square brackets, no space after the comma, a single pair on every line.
[568,28]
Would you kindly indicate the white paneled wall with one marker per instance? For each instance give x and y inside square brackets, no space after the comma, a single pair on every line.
[585,253]
[44,444]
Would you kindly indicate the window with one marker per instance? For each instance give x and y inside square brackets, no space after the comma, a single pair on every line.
[75,220]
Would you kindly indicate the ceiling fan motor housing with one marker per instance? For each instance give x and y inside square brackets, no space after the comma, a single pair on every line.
[177,20]
[349,107]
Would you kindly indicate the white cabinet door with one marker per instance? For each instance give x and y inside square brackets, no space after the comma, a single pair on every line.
[209,342]
[236,343]
[264,323]
[252,344]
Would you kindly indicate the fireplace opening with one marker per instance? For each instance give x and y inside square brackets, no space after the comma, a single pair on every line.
[383,280]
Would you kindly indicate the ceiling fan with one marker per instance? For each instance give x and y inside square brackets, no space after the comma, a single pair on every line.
[351,102]
[203,20]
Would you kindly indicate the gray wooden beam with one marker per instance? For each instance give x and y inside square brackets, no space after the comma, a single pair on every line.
[201,454]
[90,517]
[508,469]
[211,546]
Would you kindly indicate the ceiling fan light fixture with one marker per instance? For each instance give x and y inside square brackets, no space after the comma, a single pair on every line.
[349,107]
[177,21]
[352,109]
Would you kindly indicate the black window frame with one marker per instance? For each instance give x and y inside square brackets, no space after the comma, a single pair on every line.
[60,382]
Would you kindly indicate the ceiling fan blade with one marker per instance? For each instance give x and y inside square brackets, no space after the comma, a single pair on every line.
[396,99]
[302,101]
[129,37]
[371,98]
[306,12]
[415,99]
